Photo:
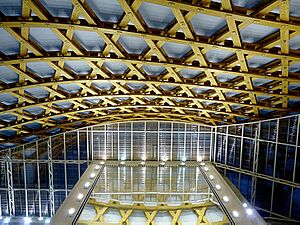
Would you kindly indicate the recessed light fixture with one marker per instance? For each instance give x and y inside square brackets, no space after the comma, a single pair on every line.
[202,164]
[87,184]
[245,205]
[97,167]
[71,211]
[142,163]
[211,177]
[235,213]
[249,211]
[218,186]
[122,162]
[182,163]
[162,163]
[205,169]
[47,220]
[226,199]
[92,176]
[80,196]
[40,218]
[102,162]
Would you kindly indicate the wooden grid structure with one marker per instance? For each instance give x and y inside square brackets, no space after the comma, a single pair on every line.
[151,212]
[136,94]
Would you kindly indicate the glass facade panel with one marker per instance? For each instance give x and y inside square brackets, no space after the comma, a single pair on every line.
[267,150]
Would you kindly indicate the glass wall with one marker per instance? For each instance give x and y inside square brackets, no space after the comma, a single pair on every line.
[261,159]
[159,141]
[36,177]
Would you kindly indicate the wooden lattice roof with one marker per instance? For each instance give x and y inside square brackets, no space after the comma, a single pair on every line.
[71,63]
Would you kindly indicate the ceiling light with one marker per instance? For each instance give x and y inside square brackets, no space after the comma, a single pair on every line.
[226,199]
[249,211]
[182,163]
[47,220]
[87,184]
[27,220]
[211,177]
[102,162]
[6,220]
[245,205]
[205,169]
[122,162]
[71,211]
[40,218]
[92,175]
[218,186]
[162,163]
[235,213]
[80,196]
[142,163]
[202,164]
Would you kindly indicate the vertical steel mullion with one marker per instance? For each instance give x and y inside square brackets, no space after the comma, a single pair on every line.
[196,180]
[241,154]
[50,167]
[184,142]
[296,150]
[215,145]
[170,177]
[131,130]
[119,177]
[78,145]
[157,181]
[255,164]
[105,177]
[78,150]
[171,150]
[275,164]
[39,188]
[191,146]
[10,185]
[158,148]
[295,164]
[87,144]
[65,166]
[226,146]
[105,142]
[242,146]
[131,182]
[118,143]
[145,143]
[183,181]
[145,180]
[211,147]
[92,144]
[25,182]
[198,158]
[226,149]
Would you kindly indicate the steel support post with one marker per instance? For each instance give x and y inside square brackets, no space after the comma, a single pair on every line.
[50,168]
[255,164]
[11,202]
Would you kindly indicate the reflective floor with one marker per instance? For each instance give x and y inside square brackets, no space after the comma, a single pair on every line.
[160,194]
